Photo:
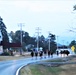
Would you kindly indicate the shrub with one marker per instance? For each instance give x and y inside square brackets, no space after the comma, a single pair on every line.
[5,54]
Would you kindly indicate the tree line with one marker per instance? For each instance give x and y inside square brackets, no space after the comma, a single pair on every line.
[31,42]
[28,42]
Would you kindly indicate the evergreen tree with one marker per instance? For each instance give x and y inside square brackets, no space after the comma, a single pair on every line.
[74,7]
[72,43]
[5,38]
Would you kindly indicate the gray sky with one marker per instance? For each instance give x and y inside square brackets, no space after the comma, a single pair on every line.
[56,16]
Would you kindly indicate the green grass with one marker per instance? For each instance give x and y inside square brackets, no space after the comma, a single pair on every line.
[36,70]
[54,70]
[40,70]
[56,60]
[43,70]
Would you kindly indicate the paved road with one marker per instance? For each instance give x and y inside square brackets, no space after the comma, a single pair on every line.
[10,67]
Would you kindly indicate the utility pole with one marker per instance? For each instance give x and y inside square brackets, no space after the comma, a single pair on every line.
[49,40]
[38,32]
[57,42]
[21,25]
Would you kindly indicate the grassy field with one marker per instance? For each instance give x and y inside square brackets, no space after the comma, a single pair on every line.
[5,58]
[17,56]
[36,69]
[43,70]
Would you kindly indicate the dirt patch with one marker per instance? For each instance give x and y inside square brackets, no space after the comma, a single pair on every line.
[17,56]
[69,69]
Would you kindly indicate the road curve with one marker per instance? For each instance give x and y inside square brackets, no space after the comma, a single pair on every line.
[10,67]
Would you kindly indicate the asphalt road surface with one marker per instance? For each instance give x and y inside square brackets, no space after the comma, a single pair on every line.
[10,67]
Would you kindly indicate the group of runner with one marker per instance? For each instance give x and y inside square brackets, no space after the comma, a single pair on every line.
[64,52]
[45,53]
[41,54]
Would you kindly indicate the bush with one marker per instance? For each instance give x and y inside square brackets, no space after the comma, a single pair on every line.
[5,54]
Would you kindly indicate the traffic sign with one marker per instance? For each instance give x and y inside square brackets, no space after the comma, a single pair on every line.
[73,48]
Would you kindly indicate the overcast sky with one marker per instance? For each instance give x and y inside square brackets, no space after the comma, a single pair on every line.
[56,16]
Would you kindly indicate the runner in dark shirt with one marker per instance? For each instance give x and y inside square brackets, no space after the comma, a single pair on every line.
[45,53]
[48,53]
[41,54]
[32,54]
[36,54]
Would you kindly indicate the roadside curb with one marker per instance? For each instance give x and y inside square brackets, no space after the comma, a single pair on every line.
[18,70]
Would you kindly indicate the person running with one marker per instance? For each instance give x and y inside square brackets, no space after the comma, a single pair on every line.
[36,53]
[41,54]
[48,53]
[51,54]
[45,53]
[32,54]
[57,52]
[61,52]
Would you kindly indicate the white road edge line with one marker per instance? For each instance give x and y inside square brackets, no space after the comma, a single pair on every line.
[17,72]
